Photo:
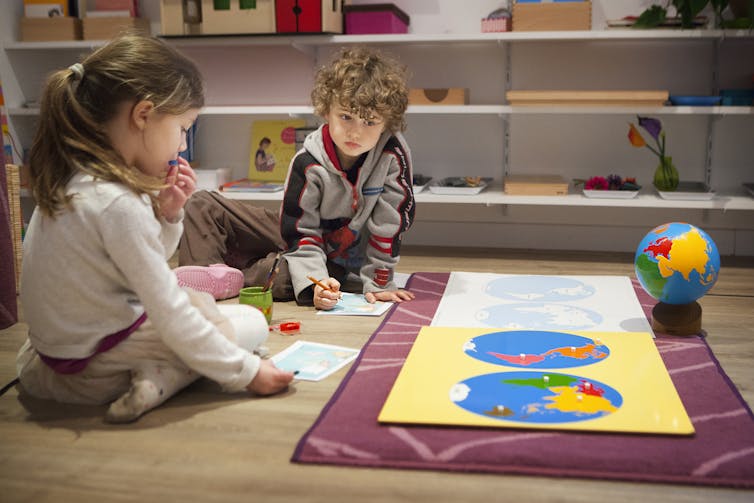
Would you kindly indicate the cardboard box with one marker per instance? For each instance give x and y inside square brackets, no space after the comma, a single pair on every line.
[171,18]
[441,96]
[308,16]
[51,29]
[552,16]
[130,5]
[535,185]
[375,18]
[105,28]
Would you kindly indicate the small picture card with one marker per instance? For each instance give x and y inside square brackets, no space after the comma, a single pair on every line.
[314,361]
[353,304]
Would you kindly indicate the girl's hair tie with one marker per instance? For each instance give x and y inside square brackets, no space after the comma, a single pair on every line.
[78,71]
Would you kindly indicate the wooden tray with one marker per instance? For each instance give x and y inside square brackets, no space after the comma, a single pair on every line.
[535,185]
[633,98]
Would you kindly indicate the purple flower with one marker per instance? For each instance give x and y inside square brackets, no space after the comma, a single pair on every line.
[614,182]
[652,126]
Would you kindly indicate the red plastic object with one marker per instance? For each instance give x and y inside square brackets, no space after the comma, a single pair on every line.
[287,327]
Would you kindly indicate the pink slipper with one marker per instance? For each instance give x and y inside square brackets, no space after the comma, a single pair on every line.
[219,280]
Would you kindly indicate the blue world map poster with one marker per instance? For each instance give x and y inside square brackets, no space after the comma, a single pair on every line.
[567,380]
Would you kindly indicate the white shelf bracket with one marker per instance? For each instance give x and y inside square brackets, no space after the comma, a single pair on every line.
[715,85]
[507,47]
[308,49]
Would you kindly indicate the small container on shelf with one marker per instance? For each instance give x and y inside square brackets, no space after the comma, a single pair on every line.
[375,18]
[694,101]
[440,96]
[610,194]
[737,97]
[535,185]
[689,191]
[552,16]
[460,185]
[420,182]
[497,21]
[50,29]
[107,27]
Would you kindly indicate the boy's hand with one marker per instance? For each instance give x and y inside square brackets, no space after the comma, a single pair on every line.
[181,180]
[327,299]
[389,296]
[270,379]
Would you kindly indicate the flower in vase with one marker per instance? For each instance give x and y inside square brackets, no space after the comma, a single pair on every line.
[666,175]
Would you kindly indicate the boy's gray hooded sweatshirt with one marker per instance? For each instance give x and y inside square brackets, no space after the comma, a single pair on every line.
[354,218]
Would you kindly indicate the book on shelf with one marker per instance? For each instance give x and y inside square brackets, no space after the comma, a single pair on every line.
[45,8]
[248,185]
[273,145]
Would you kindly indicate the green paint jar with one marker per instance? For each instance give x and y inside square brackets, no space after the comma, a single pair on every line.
[256,296]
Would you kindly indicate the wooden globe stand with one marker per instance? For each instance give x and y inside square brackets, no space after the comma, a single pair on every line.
[677,319]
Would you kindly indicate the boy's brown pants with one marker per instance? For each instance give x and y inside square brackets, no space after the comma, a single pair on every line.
[217,230]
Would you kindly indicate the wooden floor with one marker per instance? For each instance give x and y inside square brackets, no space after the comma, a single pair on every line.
[206,446]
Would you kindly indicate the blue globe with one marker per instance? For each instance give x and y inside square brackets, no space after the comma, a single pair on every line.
[677,263]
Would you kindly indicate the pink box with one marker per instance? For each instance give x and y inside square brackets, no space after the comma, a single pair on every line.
[129,5]
[375,18]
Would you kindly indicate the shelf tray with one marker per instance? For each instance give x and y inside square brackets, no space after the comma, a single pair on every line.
[611,194]
[443,187]
[689,191]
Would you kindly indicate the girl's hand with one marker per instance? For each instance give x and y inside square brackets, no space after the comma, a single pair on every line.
[269,379]
[389,296]
[326,299]
[181,179]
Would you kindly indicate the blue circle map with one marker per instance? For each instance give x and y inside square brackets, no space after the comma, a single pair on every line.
[535,349]
[539,316]
[535,397]
[539,288]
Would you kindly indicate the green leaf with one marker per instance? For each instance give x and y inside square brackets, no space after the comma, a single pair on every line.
[651,18]
[688,9]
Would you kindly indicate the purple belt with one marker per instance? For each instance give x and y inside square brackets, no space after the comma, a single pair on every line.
[76,365]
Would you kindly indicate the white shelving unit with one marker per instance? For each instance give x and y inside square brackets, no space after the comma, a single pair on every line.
[491,138]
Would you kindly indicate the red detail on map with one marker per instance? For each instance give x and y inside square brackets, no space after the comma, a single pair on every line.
[526,360]
[660,247]
[579,353]
[588,388]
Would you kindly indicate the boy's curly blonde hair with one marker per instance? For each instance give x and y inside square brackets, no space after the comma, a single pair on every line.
[365,82]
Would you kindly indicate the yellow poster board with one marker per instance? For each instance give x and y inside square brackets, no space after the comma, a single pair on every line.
[273,145]
[592,381]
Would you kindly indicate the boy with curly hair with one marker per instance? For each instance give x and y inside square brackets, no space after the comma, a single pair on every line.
[348,195]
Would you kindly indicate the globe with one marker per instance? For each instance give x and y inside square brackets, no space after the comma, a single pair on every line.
[677,263]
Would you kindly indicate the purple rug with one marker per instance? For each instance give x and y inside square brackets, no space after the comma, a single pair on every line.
[721,453]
